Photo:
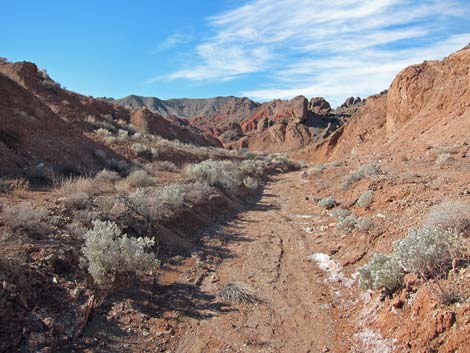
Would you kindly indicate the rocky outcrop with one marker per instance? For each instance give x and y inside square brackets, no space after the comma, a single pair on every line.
[36,142]
[427,104]
[295,109]
[155,124]
[70,106]
[281,137]
[319,106]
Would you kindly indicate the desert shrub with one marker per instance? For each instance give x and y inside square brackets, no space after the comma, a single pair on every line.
[198,191]
[103,132]
[366,170]
[110,253]
[123,135]
[107,176]
[427,251]
[365,199]
[383,271]
[347,224]
[363,223]
[449,215]
[443,158]
[12,185]
[221,174]
[117,165]
[327,202]
[251,183]
[238,292]
[159,204]
[140,178]
[340,213]
[141,150]
[70,185]
[281,161]
[77,200]
[316,170]
[24,216]
[109,140]
[162,166]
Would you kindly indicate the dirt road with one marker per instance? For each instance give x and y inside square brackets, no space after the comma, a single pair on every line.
[298,308]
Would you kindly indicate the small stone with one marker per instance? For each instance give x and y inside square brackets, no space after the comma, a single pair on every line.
[398,304]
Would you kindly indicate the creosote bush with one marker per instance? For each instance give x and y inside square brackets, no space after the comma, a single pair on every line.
[110,253]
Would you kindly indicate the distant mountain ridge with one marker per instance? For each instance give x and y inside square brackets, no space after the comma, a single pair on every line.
[235,108]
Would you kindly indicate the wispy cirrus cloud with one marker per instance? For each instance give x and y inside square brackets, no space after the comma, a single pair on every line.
[172,41]
[333,48]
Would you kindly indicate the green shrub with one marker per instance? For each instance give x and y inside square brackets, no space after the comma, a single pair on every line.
[110,253]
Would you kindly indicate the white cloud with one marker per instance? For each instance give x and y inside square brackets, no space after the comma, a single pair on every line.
[172,41]
[333,48]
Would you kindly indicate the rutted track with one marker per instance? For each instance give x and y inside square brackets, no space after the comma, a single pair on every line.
[297,312]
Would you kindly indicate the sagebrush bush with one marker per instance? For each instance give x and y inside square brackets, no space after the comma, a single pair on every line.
[347,224]
[366,170]
[110,253]
[327,202]
[449,215]
[365,199]
[24,216]
[221,174]
[103,132]
[251,183]
[443,158]
[427,251]
[383,271]
[161,203]
[363,223]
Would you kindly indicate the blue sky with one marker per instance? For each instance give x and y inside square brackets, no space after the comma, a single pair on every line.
[256,48]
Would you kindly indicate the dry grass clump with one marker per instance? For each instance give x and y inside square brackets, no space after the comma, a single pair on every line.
[13,185]
[24,216]
[238,292]
[77,200]
[111,253]
[163,166]
[140,178]
[451,215]
[77,185]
